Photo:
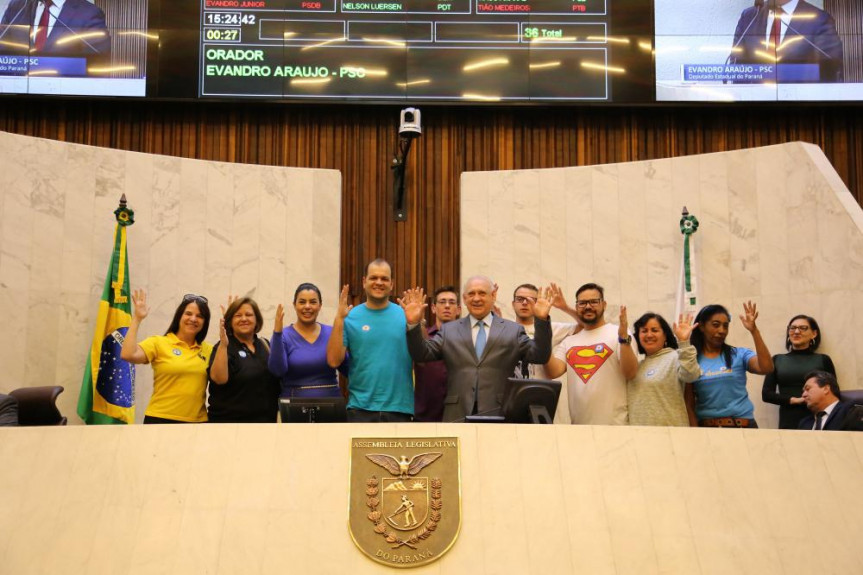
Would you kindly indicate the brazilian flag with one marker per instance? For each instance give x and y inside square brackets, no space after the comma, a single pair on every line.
[108,390]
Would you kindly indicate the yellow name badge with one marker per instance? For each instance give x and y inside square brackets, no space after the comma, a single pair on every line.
[405,498]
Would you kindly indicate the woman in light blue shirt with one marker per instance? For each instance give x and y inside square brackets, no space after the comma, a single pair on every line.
[721,398]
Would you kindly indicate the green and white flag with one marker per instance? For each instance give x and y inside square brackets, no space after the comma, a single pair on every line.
[687,288]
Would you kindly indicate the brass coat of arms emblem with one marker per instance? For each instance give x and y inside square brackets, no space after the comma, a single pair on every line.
[405,498]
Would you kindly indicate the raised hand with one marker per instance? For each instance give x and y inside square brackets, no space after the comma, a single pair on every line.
[684,326]
[542,305]
[344,306]
[623,330]
[231,299]
[750,314]
[413,304]
[495,309]
[139,298]
[223,333]
[556,297]
[279,324]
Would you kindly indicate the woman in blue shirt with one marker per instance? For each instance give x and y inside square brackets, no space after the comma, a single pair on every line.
[721,398]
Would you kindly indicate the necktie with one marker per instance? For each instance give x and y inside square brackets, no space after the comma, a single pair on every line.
[776,32]
[818,419]
[42,33]
[480,339]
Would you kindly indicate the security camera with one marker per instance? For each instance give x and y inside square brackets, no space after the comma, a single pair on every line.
[410,125]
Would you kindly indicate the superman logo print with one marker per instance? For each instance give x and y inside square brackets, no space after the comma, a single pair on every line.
[586,360]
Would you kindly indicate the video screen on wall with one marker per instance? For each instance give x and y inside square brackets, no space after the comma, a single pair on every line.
[428,50]
[74,47]
[448,51]
[766,50]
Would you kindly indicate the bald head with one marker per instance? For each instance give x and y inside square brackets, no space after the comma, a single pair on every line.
[479,296]
[485,280]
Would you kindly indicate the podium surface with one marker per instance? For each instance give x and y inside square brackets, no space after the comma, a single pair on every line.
[272,498]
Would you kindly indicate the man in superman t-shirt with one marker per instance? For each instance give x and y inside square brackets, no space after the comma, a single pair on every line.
[597,360]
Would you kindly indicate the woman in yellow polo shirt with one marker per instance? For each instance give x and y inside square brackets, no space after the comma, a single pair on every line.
[179,359]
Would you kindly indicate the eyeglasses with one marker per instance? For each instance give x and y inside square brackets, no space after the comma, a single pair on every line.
[524,299]
[800,328]
[583,303]
[446,302]
[194,297]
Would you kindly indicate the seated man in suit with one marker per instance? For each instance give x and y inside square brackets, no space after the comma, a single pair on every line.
[480,351]
[8,411]
[802,34]
[65,28]
[829,412]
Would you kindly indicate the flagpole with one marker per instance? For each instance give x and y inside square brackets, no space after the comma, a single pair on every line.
[687,288]
[108,388]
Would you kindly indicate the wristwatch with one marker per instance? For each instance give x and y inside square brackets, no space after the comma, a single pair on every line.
[627,340]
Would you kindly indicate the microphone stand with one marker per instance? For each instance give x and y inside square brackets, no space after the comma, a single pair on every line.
[759,4]
[808,41]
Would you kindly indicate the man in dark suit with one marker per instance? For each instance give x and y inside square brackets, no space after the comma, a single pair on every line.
[8,411]
[802,34]
[829,412]
[480,351]
[65,28]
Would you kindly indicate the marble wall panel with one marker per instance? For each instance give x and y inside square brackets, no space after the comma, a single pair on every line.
[604,207]
[327,245]
[777,227]
[659,206]
[553,232]
[201,227]
[534,499]
[572,255]
[633,249]
[274,252]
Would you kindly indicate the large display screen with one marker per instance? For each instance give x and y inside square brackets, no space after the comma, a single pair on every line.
[784,50]
[474,50]
[73,47]
[428,51]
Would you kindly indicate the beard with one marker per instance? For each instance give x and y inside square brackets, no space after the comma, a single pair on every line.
[590,321]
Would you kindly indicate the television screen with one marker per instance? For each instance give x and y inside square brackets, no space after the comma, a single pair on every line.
[436,51]
[426,50]
[761,50]
[74,47]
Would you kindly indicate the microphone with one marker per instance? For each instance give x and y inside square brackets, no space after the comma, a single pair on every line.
[11,23]
[759,4]
[66,26]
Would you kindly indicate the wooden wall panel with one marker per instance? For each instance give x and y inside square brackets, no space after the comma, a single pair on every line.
[360,141]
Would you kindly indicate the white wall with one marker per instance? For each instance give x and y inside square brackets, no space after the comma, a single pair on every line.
[208,228]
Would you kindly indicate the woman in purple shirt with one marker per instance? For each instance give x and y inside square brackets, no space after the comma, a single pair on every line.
[299,351]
